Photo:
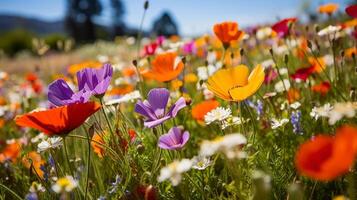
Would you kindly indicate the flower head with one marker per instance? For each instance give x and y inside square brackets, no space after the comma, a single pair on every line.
[96,81]
[60,120]
[176,138]
[60,94]
[11,151]
[230,145]
[235,84]
[165,67]
[174,170]
[282,27]
[352,11]
[326,157]
[329,8]
[227,32]
[201,163]
[217,115]
[154,109]
[50,143]
[201,109]
[65,184]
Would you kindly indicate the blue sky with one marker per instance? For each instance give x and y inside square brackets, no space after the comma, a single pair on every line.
[192,16]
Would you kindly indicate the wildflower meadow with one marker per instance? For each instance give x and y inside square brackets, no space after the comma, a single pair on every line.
[266,112]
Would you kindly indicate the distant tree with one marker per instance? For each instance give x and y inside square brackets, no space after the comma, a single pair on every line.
[118,9]
[165,25]
[79,19]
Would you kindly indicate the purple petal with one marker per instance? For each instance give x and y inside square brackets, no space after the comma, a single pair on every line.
[102,87]
[81,96]
[185,137]
[174,139]
[158,99]
[180,103]
[95,80]
[153,123]
[144,110]
[59,92]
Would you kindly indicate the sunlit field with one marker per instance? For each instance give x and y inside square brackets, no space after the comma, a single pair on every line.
[267,112]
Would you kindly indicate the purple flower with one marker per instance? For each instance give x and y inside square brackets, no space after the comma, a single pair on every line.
[295,120]
[176,138]
[95,80]
[59,94]
[154,109]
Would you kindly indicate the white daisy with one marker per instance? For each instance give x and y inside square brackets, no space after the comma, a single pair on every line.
[275,123]
[50,143]
[228,144]
[174,170]
[322,111]
[219,114]
[65,184]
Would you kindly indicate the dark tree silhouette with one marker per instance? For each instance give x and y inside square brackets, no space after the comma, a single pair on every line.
[79,18]
[118,13]
[165,26]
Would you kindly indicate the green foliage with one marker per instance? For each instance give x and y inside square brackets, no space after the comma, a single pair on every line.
[15,41]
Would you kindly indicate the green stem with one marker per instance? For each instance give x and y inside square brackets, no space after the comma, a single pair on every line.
[11,191]
[66,155]
[88,167]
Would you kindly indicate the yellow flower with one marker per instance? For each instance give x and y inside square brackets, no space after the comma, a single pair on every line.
[235,84]
[191,78]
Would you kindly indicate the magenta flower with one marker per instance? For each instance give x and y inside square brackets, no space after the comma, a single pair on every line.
[176,138]
[59,94]
[154,109]
[95,80]
[189,48]
[270,75]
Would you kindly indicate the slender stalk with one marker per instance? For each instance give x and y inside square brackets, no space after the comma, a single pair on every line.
[66,155]
[11,191]
[88,167]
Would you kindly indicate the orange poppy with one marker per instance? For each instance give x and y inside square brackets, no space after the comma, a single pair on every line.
[321,88]
[235,83]
[73,69]
[60,120]
[97,142]
[121,90]
[293,95]
[329,8]
[325,157]
[128,72]
[200,110]
[165,67]
[10,152]
[227,32]
[35,159]
[318,64]
[350,51]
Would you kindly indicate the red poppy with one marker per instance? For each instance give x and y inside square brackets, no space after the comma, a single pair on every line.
[31,77]
[150,49]
[60,120]
[325,157]
[303,73]
[321,88]
[352,11]
[282,27]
